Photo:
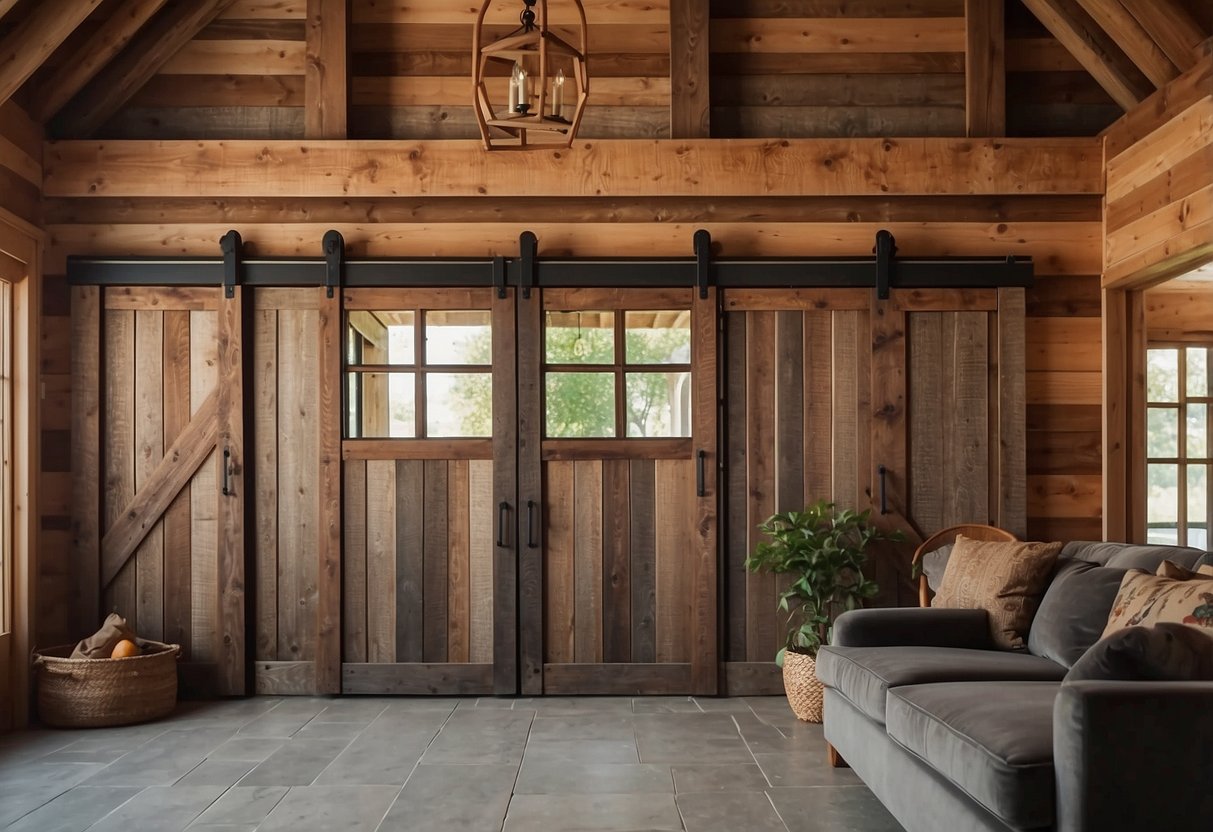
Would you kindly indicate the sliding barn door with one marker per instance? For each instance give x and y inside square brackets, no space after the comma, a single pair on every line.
[161,531]
[911,408]
[617,449]
[430,514]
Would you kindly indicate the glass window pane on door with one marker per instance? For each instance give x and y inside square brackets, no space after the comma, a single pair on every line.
[1162,375]
[658,337]
[1198,372]
[458,404]
[458,337]
[1198,506]
[386,406]
[1162,503]
[1162,433]
[579,337]
[579,405]
[658,404]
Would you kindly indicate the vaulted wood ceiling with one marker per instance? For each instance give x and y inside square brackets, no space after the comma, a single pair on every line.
[96,55]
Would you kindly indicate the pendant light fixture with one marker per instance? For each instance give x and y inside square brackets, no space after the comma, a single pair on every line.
[544,96]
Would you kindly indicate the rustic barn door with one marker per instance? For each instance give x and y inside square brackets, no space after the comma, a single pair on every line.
[911,407]
[617,452]
[429,479]
[158,381]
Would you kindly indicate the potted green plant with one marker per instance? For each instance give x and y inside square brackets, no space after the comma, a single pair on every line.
[825,550]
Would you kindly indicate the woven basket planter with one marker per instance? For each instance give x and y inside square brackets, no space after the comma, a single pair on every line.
[98,693]
[805,692]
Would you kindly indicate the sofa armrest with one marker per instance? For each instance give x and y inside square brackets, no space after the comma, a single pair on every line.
[1133,755]
[913,627]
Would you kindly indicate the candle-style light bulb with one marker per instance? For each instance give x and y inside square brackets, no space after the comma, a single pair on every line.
[515,77]
[524,90]
[558,95]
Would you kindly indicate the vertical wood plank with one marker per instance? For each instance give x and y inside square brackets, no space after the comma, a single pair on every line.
[968,486]
[927,408]
[887,388]
[434,641]
[588,561]
[530,487]
[409,555]
[149,450]
[703,523]
[178,569]
[641,574]
[265,473]
[558,560]
[482,518]
[86,351]
[119,446]
[354,586]
[736,486]
[616,562]
[1136,494]
[1117,384]
[381,574]
[762,636]
[846,383]
[985,68]
[1012,497]
[789,412]
[204,490]
[330,413]
[689,71]
[458,598]
[818,404]
[673,521]
[326,77]
[865,412]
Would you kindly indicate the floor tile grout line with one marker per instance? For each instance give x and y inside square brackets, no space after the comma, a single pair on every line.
[753,756]
[774,808]
[517,774]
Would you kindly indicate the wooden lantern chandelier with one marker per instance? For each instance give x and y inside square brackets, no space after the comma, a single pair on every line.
[544,99]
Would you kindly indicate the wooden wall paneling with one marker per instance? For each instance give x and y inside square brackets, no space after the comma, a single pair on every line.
[703,590]
[1159,108]
[616,575]
[588,562]
[149,449]
[848,390]
[458,579]
[354,564]
[330,406]
[119,448]
[888,442]
[505,579]
[265,473]
[482,516]
[818,405]
[204,491]
[409,555]
[673,521]
[416,679]
[87,464]
[736,487]
[762,639]
[559,541]
[985,68]
[789,424]
[434,594]
[689,73]
[327,81]
[382,579]
[1011,400]
[178,568]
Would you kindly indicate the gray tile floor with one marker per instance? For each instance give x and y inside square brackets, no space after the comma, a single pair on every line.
[447,765]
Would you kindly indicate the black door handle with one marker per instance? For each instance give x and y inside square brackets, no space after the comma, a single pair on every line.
[884,501]
[531,542]
[227,470]
[700,486]
[503,519]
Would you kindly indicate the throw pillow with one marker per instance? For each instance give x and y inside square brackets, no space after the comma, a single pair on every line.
[934,564]
[1164,653]
[1005,578]
[1146,599]
[1170,569]
[1074,610]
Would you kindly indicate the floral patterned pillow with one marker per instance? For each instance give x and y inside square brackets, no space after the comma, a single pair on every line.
[1145,600]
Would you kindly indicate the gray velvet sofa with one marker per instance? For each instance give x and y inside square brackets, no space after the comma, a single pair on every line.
[952,734]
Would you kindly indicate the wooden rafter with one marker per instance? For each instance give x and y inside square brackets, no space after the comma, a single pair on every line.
[35,38]
[1171,26]
[151,49]
[327,79]
[104,45]
[174,472]
[1129,35]
[985,68]
[1092,48]
[6,6]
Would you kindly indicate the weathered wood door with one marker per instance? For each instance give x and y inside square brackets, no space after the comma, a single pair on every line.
[159,487]
[911,407]
[617,456]
[429,478]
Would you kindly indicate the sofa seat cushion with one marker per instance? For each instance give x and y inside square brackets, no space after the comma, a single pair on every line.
[864,675]
[993,740]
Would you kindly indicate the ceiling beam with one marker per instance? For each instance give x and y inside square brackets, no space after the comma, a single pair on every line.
[326,86]
[6,6]
[985,68]
[690,112]
[1092,48]
[104,45]
[147,52]
[1171,27]
[35,38]
[1135,41]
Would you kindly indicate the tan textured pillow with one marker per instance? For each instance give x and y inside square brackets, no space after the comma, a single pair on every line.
[1005,578]
[1145,600]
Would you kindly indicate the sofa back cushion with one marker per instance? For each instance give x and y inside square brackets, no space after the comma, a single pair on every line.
[1166,652]
[1130,555]
[1074,610]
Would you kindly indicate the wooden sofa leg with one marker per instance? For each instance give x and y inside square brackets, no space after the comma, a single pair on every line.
[835,758]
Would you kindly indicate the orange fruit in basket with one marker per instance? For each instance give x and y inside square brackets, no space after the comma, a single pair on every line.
[124,649]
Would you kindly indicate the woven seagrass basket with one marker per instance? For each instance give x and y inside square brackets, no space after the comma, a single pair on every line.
[805,692]
[98,693]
